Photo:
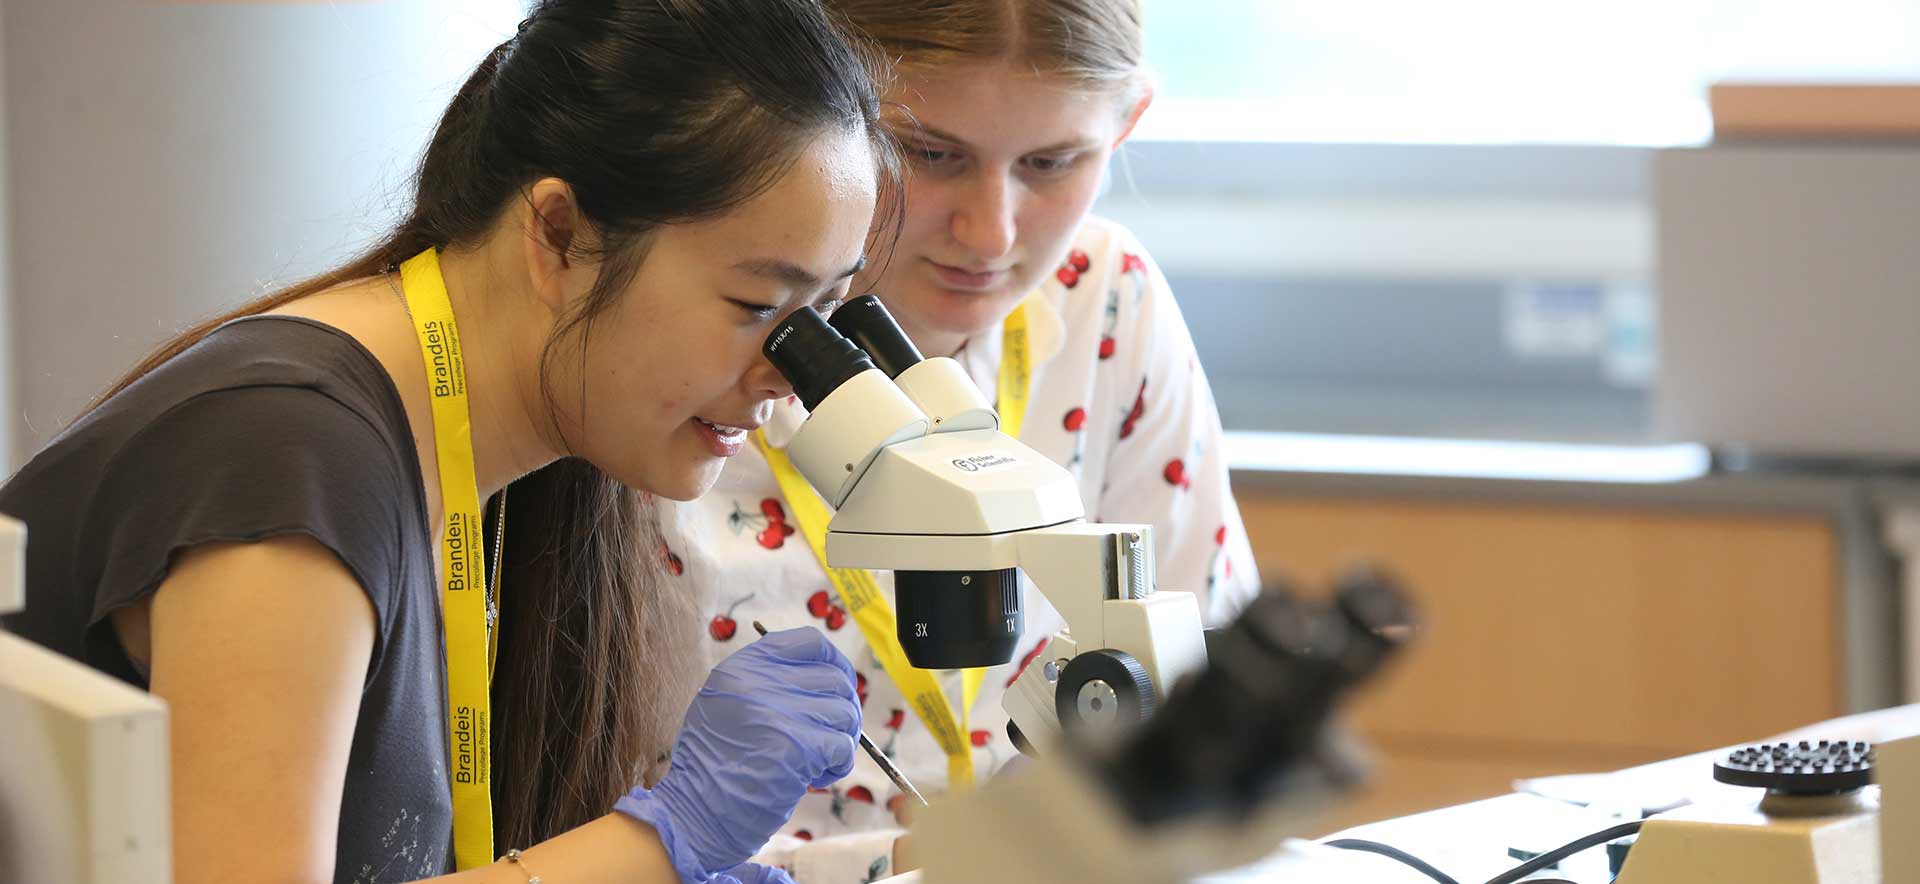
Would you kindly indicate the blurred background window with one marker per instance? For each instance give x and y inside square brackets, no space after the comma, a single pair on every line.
[1413,218]
[1628,72]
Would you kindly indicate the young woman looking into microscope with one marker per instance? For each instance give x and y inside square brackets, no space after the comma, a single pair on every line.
[1009,111]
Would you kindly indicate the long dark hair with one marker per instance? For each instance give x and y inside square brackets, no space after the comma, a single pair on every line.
[655,112]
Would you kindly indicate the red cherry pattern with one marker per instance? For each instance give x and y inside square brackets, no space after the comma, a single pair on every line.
[723,627]
[1027,661]
[1107,346]
[821,607]
[1130,263]
[1226,561]
[980,739]
[896,719]
[1077,263]
[1075,420]
[860,686]
[860,793]
[803,835]
[1134,414]
[777,528]
[1176,474]
[673,564]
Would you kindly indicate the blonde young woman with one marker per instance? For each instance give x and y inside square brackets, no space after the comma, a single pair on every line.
[1009,111]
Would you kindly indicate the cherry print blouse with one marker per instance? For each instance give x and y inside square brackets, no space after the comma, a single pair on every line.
[1117,397]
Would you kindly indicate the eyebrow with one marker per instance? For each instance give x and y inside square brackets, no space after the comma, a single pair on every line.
[794,275]
[1068,144]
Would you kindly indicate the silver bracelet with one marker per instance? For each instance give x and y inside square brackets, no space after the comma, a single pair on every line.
[515,857]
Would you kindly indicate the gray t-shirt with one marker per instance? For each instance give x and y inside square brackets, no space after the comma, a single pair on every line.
[269,426]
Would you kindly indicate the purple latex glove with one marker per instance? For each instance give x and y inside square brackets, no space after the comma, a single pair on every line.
[775,718]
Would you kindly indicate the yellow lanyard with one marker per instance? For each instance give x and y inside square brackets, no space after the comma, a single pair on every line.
[462,562]
[868,606]
[1016,371]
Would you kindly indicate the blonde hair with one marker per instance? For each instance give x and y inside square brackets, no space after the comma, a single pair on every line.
[1098,44]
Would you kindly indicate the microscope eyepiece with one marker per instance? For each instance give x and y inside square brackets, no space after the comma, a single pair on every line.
[812,356]
[866,322]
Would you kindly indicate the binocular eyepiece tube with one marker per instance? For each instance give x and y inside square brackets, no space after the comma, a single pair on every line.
[817,355]
[866,322]
[813,357]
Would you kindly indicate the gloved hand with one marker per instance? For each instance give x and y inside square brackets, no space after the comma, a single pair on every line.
[775,718]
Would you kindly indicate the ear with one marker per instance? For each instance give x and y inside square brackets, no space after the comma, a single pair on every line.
[552,228]
[1133,115]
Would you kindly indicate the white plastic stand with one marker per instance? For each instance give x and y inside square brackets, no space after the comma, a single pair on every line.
[83,762]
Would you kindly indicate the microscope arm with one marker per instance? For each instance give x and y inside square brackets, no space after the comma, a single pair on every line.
[1101,579]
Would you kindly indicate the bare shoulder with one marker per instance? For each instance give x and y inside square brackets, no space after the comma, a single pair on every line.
[240,584]
[281,617]
[208,580]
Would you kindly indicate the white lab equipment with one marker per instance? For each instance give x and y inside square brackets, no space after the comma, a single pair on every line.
[83,772]
[925,485]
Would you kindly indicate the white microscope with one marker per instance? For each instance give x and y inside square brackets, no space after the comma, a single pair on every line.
[909,454]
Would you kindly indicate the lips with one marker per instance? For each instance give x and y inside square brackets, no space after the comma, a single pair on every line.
[969,279]
[727,429]
[723,440]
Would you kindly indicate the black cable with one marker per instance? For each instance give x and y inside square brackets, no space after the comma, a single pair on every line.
[1393,853]
[1509,876]
[1554,856]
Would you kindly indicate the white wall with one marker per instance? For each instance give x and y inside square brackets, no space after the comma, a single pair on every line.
[166,160]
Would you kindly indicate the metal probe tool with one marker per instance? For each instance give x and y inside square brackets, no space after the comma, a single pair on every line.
[879,757]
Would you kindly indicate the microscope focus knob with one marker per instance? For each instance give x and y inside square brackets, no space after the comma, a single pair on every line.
[1103,690]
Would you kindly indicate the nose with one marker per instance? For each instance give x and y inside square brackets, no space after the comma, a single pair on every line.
[983,219]
[763,381]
